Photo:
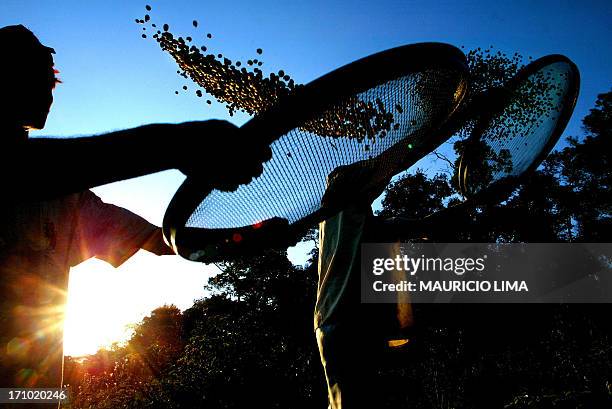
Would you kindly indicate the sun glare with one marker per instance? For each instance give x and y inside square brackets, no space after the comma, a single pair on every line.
[103,301]
[92,313]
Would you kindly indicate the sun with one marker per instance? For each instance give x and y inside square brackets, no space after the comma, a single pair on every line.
[104,302]
[93,317]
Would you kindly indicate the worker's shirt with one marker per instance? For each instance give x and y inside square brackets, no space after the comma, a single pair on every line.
[339,288]
[39,242]
[340,240]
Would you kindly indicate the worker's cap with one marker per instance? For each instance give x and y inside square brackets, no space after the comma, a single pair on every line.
[18,41]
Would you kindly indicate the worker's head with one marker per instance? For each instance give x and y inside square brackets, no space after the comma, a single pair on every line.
[28,78]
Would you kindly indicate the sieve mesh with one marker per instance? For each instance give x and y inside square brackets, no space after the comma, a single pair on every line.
[514,141]
[401,113]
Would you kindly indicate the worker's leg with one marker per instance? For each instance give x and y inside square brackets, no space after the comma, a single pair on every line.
[351,367]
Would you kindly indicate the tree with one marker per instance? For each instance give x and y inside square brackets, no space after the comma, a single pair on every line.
[128,376]
[416,196]
[585,166]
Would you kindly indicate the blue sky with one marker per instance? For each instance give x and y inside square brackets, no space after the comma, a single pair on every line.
[114,79]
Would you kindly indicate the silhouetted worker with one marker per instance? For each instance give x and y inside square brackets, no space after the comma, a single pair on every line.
[45,227]
[356,339]
[352,336]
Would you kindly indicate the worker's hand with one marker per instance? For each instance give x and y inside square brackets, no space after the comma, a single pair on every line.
[359,183]
[218,153]
[157,245]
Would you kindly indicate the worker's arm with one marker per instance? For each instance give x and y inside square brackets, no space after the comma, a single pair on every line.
[214,151]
